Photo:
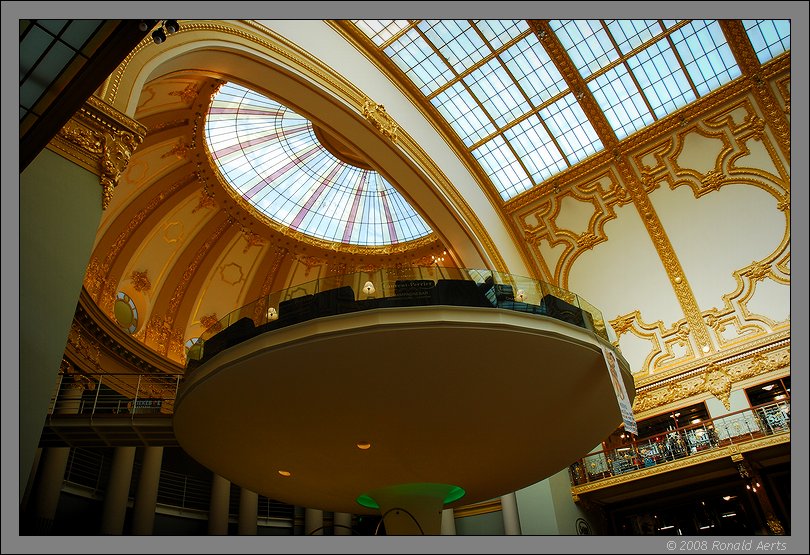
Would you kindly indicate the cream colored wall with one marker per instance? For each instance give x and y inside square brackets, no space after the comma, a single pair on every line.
[60,208]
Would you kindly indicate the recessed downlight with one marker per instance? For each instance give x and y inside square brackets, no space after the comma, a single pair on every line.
[285,473]
[363,445]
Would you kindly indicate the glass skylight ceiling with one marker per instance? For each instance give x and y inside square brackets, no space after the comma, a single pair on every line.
[272,158]
[499,90]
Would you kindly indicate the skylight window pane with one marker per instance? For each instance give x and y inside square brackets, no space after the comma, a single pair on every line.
[533,69]
[460,45]
[768,37]
[497,92]
[418,60]
[572,129]
[535,148]
[380,31]
[631,33]
[79,31]
[587,44]
[661,78]
[621,101]
[463,114]
[502,167]
[500,31]
[271,158]
[708,58]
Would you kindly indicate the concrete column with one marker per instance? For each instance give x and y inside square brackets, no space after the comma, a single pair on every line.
[511,519]
[143,515]
[448,522]
[313,519]
[248,512]
[54,460]
[29,486]
[219,507]
[49,488]
[114,510]
[343,524]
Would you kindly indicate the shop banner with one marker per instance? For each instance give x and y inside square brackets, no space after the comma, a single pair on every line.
[623,399]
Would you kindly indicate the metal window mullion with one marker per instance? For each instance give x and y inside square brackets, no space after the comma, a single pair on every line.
[477,65]
[683,66]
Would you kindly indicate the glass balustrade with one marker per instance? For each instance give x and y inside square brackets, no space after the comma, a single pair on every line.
[391,288]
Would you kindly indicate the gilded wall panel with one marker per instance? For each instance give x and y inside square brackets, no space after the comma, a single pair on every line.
[545,221]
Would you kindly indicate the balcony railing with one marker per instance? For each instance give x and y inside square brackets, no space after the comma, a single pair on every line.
[396,287]
[682,442]
[104,394]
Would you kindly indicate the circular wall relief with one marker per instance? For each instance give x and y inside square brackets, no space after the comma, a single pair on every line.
[583,528]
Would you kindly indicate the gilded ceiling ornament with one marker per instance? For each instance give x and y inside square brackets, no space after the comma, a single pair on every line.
[180,150]
[311,261]
[713,180]
[784,204]
[757,271]
[623,324]
[160,332]
[199,256]
[587,240]
[100,139]
[140,281]
[379,118]
[667,254]
[253,240]
[171,124]
[206,201]
[683,332]
[718,383]
[187,95]
[115,156]
[211,322]
[749,65]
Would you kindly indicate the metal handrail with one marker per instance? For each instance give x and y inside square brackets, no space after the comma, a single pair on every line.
[682,442]
[108,394]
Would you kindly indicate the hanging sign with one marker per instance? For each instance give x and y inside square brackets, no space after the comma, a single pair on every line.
[622,398]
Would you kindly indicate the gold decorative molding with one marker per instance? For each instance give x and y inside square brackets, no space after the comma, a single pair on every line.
[380,119]
[717,378]
[191,269]
[718,383]
[188,94]
[101,140]
[211,322]
[98,274]
[749,64]
[140,281]
[485,507]
[669,258]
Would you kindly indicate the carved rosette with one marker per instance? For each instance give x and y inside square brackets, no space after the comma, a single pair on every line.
[101,140]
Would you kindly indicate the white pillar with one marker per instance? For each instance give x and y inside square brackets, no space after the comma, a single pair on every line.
[448,522]
[114,510]
[248,512]
[143,514]
[219,507]
[313,519]
[511,519]
[343,524]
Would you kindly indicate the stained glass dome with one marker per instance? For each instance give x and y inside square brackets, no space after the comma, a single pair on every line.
[273,159]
